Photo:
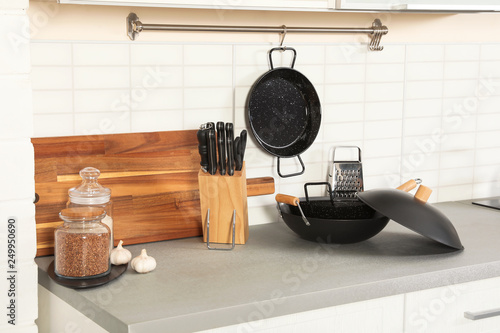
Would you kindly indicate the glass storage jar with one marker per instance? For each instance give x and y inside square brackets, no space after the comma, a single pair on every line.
[91,193]
[81,246]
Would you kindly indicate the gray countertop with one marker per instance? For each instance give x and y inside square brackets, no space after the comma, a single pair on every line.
[277,273]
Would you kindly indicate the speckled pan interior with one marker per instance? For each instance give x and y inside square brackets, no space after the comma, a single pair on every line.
[342,223]
[284,112]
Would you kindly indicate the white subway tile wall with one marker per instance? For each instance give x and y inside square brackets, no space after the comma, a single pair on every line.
[15,92]
[416,110]
[15,57]
[19,282]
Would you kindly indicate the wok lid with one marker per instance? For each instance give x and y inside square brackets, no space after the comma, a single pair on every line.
[414,213]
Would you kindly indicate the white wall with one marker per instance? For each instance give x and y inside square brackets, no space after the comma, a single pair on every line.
[18,281]
[416,110]
[426,106]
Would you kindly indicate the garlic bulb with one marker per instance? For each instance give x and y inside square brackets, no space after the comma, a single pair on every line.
[143,263]
[119,255]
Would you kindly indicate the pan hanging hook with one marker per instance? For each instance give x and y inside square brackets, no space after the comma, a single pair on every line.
[283,35]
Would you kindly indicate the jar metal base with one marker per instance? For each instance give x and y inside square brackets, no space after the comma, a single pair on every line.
[116,271]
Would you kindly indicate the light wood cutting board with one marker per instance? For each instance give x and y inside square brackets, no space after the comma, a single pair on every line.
[153,179]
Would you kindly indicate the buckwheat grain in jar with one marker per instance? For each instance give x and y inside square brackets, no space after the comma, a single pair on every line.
[91,193]
[82,243]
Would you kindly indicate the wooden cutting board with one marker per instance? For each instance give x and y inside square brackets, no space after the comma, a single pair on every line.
[153,179]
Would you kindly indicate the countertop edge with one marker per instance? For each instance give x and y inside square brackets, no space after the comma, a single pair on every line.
[332,297]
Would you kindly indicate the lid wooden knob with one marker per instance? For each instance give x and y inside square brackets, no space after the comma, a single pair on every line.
[423,193]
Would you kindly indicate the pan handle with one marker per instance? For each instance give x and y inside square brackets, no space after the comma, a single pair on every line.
[423,193]
[319,183]
[409,185]
[282,49]
[293,201]
[287,199]
[292,174]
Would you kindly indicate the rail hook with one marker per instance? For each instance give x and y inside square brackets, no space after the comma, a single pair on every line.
[283,35]
[375,41]
[378,31]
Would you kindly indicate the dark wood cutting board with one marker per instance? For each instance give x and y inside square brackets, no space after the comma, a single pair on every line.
[153,179]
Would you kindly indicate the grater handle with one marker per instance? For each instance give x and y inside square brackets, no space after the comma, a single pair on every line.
[348,147]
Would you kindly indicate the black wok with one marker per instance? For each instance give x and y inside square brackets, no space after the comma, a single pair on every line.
[284,112]
[322,219]
[350,221]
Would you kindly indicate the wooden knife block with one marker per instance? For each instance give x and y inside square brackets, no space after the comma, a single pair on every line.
[222,195]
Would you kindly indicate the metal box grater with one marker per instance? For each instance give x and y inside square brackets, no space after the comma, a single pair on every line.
[346,177]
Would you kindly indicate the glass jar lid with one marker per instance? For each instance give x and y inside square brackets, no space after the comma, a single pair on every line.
[82,214]
[89,192]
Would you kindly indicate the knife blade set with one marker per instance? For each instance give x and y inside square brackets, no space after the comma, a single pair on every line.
[220,138]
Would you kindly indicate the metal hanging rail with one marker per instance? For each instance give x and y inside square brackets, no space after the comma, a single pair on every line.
[134,27]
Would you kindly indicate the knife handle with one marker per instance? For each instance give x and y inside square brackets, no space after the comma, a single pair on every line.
[237,159]
[230,149]
[243,143]
[212,152]
[221,144]
[240,150]
[203,148]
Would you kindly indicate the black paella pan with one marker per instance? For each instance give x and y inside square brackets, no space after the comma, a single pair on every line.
[284,112]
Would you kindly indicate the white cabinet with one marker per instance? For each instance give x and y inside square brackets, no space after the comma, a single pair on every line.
[55,315]
[416,5]
[382,315]
[442,309]
[307,5]
[303,5]
[366,5]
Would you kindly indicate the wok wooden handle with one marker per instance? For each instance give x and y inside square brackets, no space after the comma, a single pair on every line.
[408,186]
[423,193]
[287,199]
